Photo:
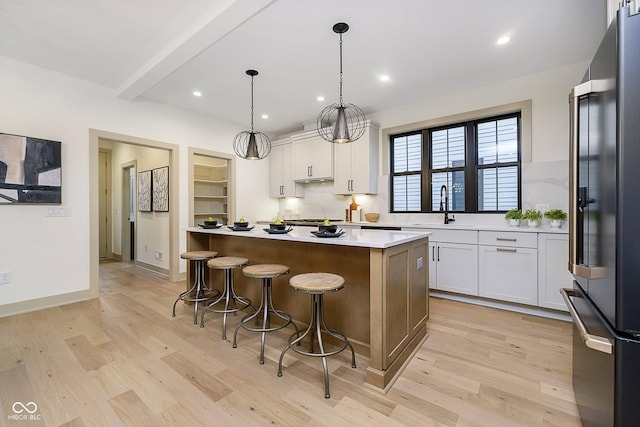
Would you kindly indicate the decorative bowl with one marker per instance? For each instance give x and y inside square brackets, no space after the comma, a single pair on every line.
[280,226]
[372,217]
[241,224]
[328,228]
[211,223]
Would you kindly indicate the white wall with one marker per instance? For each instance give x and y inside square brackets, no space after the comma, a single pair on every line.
[545,179]
[50,256]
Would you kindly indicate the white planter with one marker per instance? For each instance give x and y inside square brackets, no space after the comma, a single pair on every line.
[514,222]
[555,223]
[533,223]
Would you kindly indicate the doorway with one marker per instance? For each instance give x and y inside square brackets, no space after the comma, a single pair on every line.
[128,214]
[98,137]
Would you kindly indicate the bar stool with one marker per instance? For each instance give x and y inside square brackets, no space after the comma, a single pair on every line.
[199,291]
[229,296]
[317,284]
[266,272]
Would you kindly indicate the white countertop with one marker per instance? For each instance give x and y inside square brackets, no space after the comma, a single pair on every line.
[352,236]
[456,226]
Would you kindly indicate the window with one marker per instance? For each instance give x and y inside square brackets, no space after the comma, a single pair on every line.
[477,162]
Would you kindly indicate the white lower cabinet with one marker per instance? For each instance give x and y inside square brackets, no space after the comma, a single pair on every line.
[509,274]
[453,267]
[521,267]
[508,266]
[553,273]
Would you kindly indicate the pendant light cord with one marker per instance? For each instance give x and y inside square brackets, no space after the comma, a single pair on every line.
[341,102]
[252,104]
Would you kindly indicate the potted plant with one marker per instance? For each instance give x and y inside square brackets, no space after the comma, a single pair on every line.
[555,217]
[514,216]
[533,216]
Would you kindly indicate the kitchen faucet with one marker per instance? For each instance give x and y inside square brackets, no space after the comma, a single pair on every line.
[445,208]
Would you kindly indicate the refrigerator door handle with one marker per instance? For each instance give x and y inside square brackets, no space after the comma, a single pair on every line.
[595,342]
[578,197]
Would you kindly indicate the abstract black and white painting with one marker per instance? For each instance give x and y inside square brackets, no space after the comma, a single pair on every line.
[144,191]
[160,189]
[30,170]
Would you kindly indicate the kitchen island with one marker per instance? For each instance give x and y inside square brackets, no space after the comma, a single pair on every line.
[383,307]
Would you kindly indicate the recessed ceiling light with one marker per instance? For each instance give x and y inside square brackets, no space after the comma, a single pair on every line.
[384,78]
[265,116]
[504,40]
[320,98]
[197,93]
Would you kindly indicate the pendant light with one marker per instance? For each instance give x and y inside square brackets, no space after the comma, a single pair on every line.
[347,121]
[252,145]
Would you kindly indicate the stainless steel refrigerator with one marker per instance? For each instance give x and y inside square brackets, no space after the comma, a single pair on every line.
[604,227]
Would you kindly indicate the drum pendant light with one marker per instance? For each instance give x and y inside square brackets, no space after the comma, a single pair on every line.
[347,120]
[252,145]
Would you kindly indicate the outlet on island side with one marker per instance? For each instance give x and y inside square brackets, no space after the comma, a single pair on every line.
[158,255]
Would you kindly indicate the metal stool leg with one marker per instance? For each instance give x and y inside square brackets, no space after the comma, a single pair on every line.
[316,326]
[266,307]
[199,291]
[229,298]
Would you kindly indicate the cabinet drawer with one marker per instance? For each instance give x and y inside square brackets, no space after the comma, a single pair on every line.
[450,236]
[508,239]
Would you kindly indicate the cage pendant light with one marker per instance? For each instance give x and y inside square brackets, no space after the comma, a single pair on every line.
[251,145]
[346,121]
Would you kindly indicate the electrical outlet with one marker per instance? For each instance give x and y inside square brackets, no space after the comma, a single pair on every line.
[419,263]
[158,255]
[5,277]
[146,249]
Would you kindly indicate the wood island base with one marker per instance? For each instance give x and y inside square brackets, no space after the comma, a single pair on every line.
[382,309]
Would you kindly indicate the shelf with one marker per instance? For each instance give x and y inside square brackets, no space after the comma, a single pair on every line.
[210,197]
[202,165]
[210,214]
[207,181]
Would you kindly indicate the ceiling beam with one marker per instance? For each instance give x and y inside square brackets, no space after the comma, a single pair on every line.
[222,19]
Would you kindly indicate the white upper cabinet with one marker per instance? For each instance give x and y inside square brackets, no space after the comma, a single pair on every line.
[281,183]
[312,157]
[356,164]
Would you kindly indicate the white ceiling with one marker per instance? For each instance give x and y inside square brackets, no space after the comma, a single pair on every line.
[163,50]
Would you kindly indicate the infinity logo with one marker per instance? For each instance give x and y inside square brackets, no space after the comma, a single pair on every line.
[19,407]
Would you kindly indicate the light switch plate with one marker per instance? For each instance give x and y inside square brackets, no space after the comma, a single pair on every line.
[57,211]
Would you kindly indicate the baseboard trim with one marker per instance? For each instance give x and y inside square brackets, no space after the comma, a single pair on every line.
[20,307]
[154,268]
[503,305]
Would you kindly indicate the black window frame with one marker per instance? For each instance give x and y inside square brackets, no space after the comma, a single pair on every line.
[471,167]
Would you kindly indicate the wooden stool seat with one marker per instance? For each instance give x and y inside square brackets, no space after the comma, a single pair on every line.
[225,262]
[199,291]
[318,284]
[266,272]
[198,255]
[261,271]
[229,301]
[314,283]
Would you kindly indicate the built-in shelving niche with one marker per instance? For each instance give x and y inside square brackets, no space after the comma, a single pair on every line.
[211,195]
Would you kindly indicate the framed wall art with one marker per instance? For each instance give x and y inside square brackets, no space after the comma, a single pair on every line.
[30,170]
[144,191]
[160,189]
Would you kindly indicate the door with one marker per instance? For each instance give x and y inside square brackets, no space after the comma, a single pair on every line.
[593,361]
[102,203]
[128,214]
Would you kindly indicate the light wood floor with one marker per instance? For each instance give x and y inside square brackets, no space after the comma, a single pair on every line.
[123,360]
